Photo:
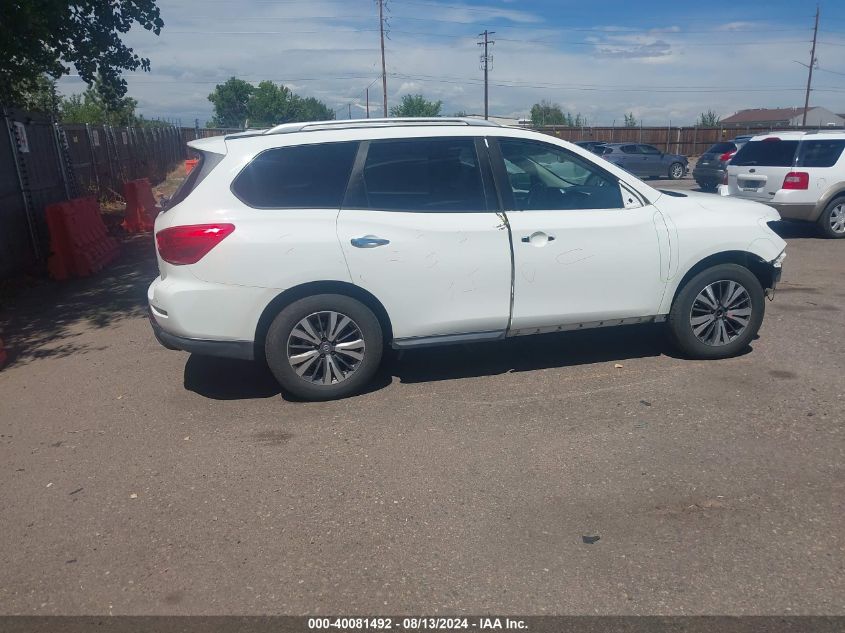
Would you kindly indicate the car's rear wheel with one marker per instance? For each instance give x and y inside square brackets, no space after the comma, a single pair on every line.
[832,220]
[717,313]
[324,347]
[708,186]
[676,171]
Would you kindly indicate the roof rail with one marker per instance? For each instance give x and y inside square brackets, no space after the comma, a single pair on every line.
[346,124]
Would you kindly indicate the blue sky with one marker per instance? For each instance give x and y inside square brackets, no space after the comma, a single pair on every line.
[663,61]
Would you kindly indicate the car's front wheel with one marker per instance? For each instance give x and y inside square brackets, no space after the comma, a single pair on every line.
[324,347]
[832,220]
[676,171]
[717,313]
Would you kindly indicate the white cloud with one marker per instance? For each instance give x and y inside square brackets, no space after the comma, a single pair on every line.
[602,72]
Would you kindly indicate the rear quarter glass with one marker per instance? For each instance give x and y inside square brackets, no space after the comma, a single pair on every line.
[766,153]
[820,152]
[207,162]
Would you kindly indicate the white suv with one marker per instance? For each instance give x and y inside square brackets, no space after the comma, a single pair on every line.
[801,174]
[311,246]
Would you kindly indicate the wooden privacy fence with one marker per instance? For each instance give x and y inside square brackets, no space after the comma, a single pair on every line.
[689,141]
[42,162]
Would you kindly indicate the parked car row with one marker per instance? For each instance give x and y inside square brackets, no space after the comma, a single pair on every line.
[801,174]
[312,246]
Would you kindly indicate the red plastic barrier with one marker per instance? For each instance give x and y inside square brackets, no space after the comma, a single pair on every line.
[190,164]
[141,209]
[79,241]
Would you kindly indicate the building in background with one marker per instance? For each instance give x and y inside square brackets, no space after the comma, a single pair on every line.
[783,117]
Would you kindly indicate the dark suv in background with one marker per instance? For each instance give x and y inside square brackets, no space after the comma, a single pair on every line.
[711,166]
[646,161]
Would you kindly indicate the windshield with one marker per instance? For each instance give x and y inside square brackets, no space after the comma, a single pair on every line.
[766,153]
[721,148]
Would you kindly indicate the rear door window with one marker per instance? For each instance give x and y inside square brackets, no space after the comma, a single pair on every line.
[423,174]
[630,149]
[820,153]
[297,177]
[766,153]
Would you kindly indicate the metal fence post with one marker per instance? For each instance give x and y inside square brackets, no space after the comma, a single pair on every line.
[94,166]
[25,194]
[63,167]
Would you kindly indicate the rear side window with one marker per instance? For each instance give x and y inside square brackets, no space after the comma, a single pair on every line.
[766,154]
[423,174]
[298,177]
[630,149]
[820,153]
[721,148]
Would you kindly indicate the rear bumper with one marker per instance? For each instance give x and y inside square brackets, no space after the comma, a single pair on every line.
[712,175]
[244,350]
[807,212]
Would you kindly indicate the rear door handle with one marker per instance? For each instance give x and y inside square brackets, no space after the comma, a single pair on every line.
[368,241]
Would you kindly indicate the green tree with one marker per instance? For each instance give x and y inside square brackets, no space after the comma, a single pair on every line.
[631,120]
[231,103]
[312,109]
[237,103]
[92,107]
[270,105]
[39,37]
[416,105]
[708,119]
[39,96]
[547,113]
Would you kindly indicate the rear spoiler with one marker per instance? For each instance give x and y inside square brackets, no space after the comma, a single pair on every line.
[213,144]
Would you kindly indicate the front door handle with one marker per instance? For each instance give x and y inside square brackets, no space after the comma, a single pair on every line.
[368,241]
[538,238]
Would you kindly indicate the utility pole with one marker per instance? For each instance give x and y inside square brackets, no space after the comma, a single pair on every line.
[810,74]
[383,65]
[367,93]
[349,105]
[485,66]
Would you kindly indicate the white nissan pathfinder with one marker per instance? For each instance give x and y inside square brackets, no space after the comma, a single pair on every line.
[311,246]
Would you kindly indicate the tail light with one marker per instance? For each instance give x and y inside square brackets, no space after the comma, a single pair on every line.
[727,156]
[181,245]
[796,180]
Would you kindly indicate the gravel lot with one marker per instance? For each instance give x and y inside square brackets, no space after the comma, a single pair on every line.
[531,477]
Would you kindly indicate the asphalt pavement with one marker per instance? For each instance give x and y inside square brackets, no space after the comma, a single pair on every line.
[580,473]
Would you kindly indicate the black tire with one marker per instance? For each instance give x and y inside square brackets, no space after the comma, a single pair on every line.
[826,220]
[676,174]
[709,187]
[681,330]
[276,348]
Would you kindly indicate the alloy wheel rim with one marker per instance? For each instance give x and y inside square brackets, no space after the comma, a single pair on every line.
[325,348]
[720,313]
[837,219]
[677,171]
